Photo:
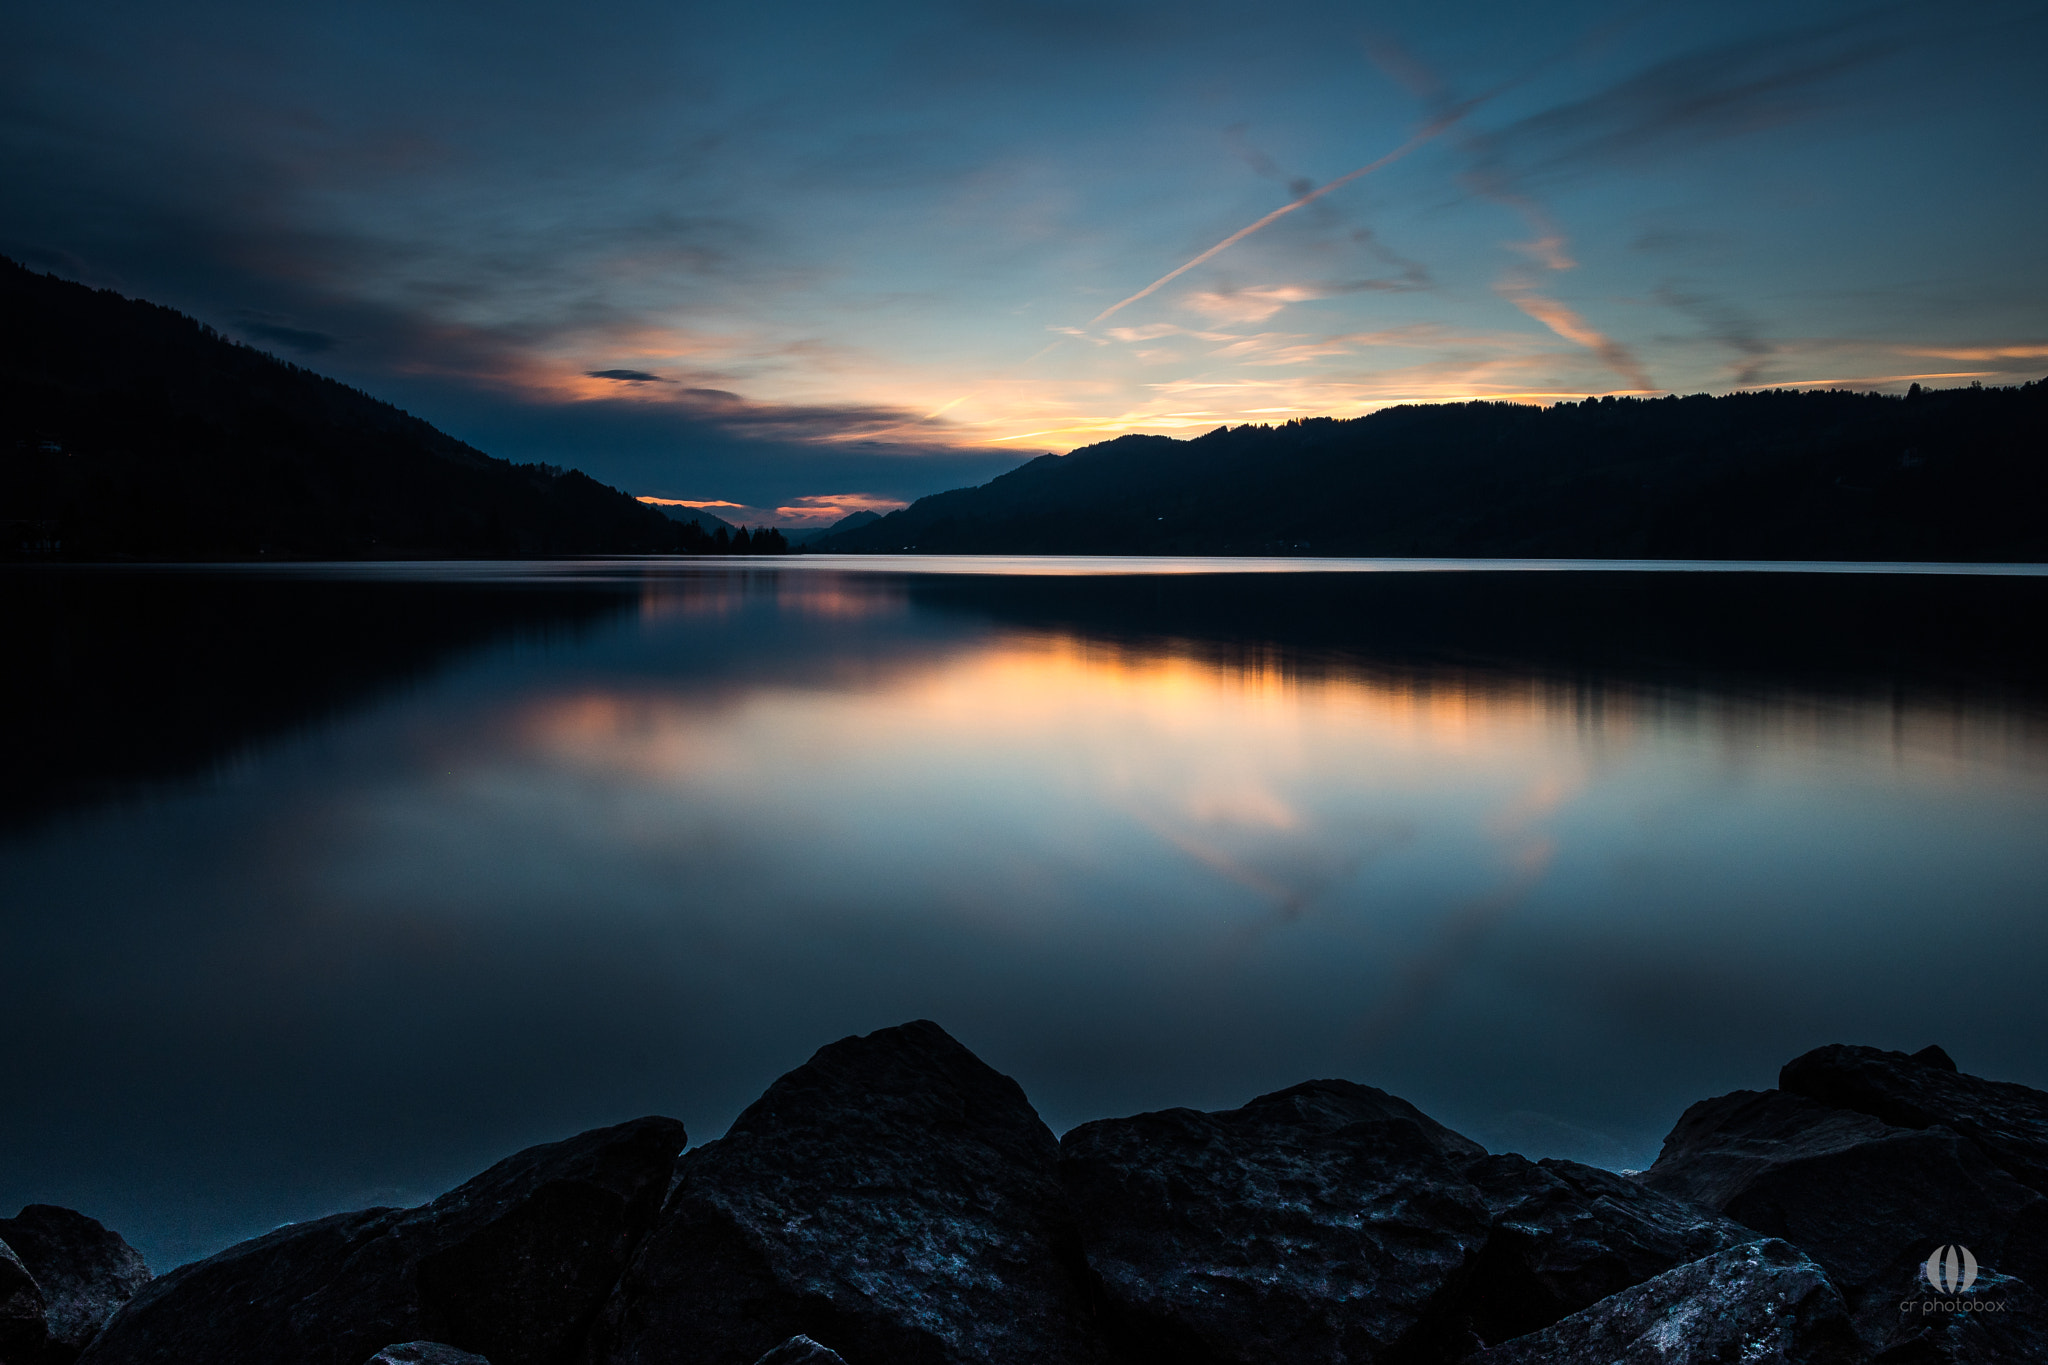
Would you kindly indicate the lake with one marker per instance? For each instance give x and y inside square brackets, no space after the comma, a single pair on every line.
[326,886]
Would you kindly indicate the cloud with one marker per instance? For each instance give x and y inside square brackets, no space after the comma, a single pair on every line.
[629,376]
[1716,91]
[301,339]
[1727,324]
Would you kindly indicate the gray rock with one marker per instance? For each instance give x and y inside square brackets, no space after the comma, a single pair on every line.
[1762,1303]
[85,1271]
[22,1305]
[1325,1223]
[893,1196]
[1565,1236]
[2007,1122]
[800,1351]
[512,1265]
[424,1353]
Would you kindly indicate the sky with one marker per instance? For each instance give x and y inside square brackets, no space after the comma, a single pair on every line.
[793,260]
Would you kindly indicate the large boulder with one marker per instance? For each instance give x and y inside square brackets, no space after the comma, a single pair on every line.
[894,1198]
[512,1265]
[1868,1199]
[2008,1123]
[1329,1222]
[22,1305]
[1762,1303]
[85,1273]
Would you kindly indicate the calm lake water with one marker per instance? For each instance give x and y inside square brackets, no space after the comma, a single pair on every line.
[326,887]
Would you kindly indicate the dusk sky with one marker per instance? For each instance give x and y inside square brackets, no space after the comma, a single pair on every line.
[804,258]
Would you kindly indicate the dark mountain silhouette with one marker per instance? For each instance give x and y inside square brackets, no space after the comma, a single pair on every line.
[130,431]
[1956,474]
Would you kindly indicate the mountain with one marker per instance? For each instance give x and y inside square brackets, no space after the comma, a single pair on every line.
[692,516]
[1955,474]
[130,431]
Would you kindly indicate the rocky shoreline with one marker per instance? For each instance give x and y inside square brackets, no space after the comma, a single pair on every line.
[895,1201]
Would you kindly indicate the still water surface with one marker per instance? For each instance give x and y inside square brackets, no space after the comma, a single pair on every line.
[325,888]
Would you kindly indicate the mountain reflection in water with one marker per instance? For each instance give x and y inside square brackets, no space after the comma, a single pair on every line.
[327,889]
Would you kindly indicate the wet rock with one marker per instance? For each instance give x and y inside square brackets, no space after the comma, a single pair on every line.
[22,1305]
[424,1353]
[1564,1236]
[2007,1122]
[800,1351]
[512,1265]
[85,1272]
[1324,1223]
[1762,1303]
[893,1196]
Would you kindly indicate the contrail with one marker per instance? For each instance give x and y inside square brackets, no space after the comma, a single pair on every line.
[1431,130]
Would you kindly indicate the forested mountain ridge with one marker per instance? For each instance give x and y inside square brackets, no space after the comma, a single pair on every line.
[1954,474]
[131,431]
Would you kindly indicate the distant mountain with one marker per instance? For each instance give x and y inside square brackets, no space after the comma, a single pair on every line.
[1955,474]
[130,431]
[704,521]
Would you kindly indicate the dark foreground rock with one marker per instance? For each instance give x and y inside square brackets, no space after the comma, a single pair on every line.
[22,1305]
[512,1266]
[1759,1304]
[1869,1200]
[1564,1236]
[2008,1123]
[1324,1223]
[894,1198]
[801,1351]
[84,1271]
[895,1201]
[424,1353]
[1333,1222]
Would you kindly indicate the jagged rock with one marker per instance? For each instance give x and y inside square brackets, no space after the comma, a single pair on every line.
[85,1271]
[800,1351]
[1327,1222]
[893,1196]
[22,1305]
[2007,1122]
[511,1265]
[1762,1303]
[1565,1236]
[424,1353]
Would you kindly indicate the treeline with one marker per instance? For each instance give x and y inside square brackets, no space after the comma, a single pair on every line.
[1955,474]
[765,540]
[131,431]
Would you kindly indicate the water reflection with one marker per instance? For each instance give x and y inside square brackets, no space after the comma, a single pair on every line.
[1550,859]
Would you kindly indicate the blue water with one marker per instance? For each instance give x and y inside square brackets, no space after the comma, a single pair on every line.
[645,853]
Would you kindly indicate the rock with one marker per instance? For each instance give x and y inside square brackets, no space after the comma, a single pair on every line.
[800,1351]
[22,1305]
[512,1265]
[1324,1223]
[894,1196]
[1762,1303]
[1565,1236]
[85,1271]
[1866,1200]
[2007,1122]
[424,1353]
